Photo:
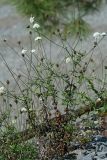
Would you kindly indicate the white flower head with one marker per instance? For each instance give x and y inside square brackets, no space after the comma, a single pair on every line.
[23,109]
[13,121]
[40,99]
[33,51]
[96,122]
[2,90]
[32,19]
[103,33]
[98,100]
[38,38]
[31,109]
[36,25]
[97,35]
[37,143]
[68,59]
[24,51]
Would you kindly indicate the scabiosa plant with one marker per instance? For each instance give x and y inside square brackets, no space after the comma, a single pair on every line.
[55,102]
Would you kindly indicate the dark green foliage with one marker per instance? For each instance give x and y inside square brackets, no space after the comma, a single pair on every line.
[26,151]
[14,151]
[64,14]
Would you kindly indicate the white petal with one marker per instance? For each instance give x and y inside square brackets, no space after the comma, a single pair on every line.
[23,109]
[96,122]
[96,34]
[98,100]
[40,99]
[36,25]
[32,19]
[24,51]
[33,50]
[38,38]
[30,109]
[68,60]
[13,121]
[103,34]
[2,90]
